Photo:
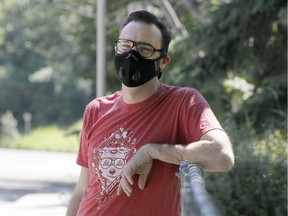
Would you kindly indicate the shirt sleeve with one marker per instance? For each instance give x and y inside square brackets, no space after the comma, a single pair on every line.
[82,157]
[198,117]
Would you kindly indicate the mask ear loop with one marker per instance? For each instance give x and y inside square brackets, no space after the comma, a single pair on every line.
[159,72]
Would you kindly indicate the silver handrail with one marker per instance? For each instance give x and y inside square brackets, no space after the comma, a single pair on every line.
[195,200]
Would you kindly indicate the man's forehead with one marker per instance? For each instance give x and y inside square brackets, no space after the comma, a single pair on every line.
[141,32]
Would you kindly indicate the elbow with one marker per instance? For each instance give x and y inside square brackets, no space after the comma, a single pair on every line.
[223,164]
[226,161]
[223,161]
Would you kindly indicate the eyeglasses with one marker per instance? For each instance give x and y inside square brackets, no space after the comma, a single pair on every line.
[144,49]
[117,162]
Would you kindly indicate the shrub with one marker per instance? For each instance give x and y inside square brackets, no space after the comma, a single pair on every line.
[257,183]
[8,127]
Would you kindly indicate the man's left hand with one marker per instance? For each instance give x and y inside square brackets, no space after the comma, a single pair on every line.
[141,164]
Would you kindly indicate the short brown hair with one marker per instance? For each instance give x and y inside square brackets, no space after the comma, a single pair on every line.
[149,18]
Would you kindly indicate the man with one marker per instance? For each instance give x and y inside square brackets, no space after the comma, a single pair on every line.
[133,140]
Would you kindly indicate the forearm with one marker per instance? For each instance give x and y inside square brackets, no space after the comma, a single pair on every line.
[209,154]
[80,188]
[73,205]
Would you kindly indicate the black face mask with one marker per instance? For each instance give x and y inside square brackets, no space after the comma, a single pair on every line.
[133,70]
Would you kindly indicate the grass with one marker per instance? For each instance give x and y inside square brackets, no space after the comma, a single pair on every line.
[50,138]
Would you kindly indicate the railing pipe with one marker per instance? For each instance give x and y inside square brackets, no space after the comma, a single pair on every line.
[195,200]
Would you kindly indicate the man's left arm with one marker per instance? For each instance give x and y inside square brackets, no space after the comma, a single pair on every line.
[213,152]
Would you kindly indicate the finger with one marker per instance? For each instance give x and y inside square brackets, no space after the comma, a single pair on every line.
[129,179]
[124,185]
[142,181]
[127,190]
[119,190]
[122,189]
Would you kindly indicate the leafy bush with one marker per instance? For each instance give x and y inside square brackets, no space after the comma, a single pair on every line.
[257,183]
[8,127]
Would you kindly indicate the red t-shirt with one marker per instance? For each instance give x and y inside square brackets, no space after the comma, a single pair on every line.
[113,131]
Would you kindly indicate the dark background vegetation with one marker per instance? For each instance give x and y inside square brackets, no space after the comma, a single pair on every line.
[233,51]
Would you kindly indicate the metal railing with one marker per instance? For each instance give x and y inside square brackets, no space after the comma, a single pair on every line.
[195,200]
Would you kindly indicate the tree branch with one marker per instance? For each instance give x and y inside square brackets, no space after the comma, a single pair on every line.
[196,13]
[172,17]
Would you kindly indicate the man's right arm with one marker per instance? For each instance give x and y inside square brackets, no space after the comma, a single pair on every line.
[80,189]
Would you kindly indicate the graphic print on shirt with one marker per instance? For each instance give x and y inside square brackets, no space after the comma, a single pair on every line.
[109,158]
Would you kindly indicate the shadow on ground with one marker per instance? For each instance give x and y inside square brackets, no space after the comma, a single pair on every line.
[11,189]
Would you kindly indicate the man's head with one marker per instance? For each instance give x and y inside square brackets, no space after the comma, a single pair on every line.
[151,19]
[141,50]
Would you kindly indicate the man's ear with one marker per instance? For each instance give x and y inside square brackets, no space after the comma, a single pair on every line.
[164,61]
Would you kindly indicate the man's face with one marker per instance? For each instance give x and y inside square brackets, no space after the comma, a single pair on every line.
[143,33]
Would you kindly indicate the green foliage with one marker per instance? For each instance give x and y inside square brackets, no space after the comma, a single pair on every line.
[37,62]
[257,184]
[8,127]
[50,138]
[246,39]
